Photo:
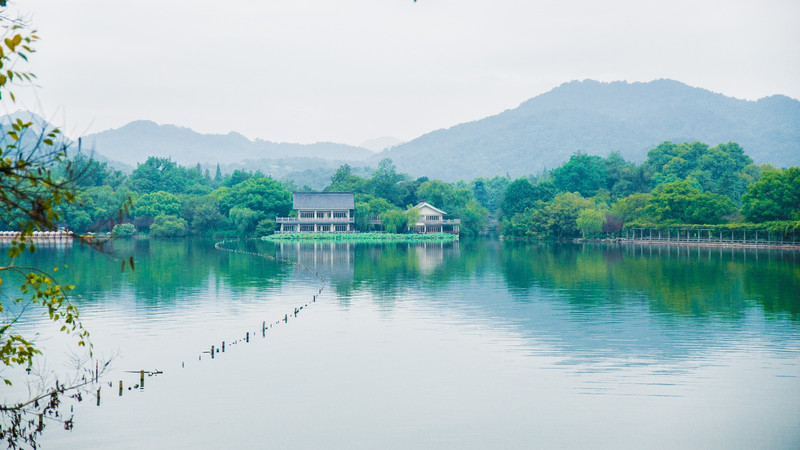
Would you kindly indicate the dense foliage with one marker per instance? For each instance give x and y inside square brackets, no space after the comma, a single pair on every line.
[588,196]
[679,184]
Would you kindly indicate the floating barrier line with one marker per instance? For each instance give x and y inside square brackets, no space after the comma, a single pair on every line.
[266,325]
[214,350]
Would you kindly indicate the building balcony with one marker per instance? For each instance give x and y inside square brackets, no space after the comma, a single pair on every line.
[440,222]
[310,220]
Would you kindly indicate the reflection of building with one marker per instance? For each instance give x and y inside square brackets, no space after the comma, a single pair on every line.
[334,259]
[431,221]
[431,255]
[320,212]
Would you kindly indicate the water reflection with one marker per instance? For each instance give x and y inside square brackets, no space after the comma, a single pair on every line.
[549,338]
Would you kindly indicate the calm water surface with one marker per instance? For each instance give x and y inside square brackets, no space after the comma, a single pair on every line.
[466,345]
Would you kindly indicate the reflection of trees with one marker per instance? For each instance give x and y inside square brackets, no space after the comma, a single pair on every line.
[163,268]
[387,270]
[685,281]
[679,281]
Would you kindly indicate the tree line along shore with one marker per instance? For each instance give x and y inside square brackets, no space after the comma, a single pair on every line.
[680,185]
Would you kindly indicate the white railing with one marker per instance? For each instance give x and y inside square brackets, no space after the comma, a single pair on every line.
[313,219]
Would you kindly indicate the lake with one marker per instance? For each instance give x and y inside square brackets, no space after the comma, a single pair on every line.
[482,344]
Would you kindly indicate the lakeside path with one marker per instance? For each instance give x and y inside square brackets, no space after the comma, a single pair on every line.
[785,246]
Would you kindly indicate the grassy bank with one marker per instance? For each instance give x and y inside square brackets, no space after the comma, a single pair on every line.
[362,237]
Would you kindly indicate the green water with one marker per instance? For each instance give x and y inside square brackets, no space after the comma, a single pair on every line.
[457,345]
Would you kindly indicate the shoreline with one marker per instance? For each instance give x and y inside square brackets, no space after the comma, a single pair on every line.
[753,245]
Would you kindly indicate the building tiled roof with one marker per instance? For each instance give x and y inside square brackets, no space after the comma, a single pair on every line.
[323,200]
[421,204]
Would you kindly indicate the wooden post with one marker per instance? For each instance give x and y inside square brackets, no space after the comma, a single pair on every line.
[141,378]
[247,337]
[212,352]
[98,396]
[96,371]
[264,328]
[285,318]
[223,346]
[120,388]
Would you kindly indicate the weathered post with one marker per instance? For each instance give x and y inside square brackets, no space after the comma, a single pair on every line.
[120,388]
[141,378]
[247,337]
[264,328]
[223,346]
[212,352]
[98,396]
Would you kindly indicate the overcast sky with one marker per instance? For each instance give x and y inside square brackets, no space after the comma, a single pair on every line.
[351,70]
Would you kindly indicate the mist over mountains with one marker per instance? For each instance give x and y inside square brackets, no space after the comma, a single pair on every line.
[598,118]
[134,142]
[541,133]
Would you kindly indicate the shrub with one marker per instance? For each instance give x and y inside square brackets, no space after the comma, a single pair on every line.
[168,226]
[123,230]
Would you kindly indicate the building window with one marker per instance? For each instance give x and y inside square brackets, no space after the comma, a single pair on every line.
[339,215]
[320,215]
[306,227]
[341,228]
[433,218]
[324,228]
[306,215]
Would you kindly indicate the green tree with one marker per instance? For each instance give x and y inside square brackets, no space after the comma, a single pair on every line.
[775,196]
[590,221]
[162,174]
[632,207]
[583,173]
[681,202]
[394,221]
[386,183]
[363,216]
[437,193]
[562,214]
[202,213]
[412,217]
[266,227]
[157,203]
[168,226]
[244,219]
[263,195]
[123,230]
[518,196]
[344,181]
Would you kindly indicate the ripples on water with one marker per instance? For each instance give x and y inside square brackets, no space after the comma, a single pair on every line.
[466,345]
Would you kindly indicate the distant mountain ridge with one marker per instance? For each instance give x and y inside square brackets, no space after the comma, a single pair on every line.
[541,133]
[134,142]
[598,118]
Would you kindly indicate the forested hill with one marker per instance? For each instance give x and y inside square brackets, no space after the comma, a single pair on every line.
[134,142]
[599,118]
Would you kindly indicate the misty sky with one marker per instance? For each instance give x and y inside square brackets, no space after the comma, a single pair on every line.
[351,70]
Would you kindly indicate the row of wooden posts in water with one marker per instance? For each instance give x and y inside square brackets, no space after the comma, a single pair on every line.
[264,326]
[214,349]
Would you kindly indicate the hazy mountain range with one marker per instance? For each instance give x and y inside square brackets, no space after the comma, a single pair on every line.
[134,142]
[590,116]
[599,118]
